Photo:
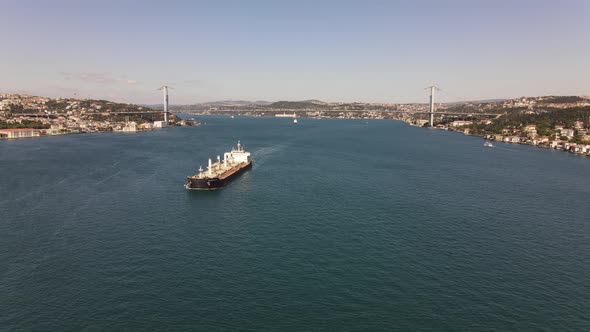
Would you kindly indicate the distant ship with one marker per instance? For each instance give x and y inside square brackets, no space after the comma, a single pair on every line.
[218,174]
[295,121]
[488,144]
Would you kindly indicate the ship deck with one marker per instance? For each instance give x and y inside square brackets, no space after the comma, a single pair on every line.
[219,171]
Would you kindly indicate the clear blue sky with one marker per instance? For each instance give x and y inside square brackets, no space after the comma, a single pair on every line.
[373,51]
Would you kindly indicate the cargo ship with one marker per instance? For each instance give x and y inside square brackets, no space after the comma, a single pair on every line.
[220,173]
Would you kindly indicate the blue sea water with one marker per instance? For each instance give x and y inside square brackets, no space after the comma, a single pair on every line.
[340,225]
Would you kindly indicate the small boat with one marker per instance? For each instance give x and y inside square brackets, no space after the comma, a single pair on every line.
[488,144]
[295,121]
[231,117]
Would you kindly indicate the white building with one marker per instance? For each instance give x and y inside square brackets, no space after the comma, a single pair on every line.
[285,115]
[130,127]
[160,124]
[567,132]
[461,123]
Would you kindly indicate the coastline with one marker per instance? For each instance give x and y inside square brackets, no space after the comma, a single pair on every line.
[570,147]
[43,133]
[564,146]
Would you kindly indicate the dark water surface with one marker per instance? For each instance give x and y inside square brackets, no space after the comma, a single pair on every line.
[340,225]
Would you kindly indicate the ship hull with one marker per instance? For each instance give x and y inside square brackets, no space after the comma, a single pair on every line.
[194,183]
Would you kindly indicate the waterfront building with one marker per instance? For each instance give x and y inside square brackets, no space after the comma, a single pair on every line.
[421,122]
[18,133]
[145,126]
[130,127]
[52,131]
[285,115]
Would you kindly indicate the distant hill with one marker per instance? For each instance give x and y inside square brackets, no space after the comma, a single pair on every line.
[483,101]
[214,104]
[497,105]
[297,104]
[236,103]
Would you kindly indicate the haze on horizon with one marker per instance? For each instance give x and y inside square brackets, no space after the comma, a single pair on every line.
[369,51]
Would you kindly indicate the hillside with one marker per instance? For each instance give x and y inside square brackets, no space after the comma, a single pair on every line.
[101,110]
[75,115]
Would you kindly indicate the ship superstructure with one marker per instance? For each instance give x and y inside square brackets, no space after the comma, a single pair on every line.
[219,173]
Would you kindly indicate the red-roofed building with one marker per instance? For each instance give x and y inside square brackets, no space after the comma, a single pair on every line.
[18,133]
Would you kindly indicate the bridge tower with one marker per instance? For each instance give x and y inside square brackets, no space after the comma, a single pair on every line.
[431,112]
[164,89]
